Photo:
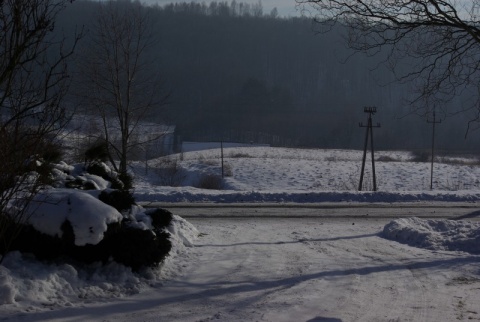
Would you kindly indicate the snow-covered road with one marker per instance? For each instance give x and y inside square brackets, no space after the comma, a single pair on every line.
[319,271]
[304,269]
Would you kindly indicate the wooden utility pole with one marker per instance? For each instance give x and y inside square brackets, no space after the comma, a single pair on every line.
[433,122]
[371,111]
[221,149]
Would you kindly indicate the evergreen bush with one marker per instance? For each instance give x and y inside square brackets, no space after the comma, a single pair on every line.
[96,152]
[132,247]
[161,218]
[119,199]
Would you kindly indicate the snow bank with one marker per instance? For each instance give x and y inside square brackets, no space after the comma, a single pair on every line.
[183,234]
[88,216]
[187,194]
[435,234]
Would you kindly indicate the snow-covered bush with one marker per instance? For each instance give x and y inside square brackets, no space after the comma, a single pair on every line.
[210,181]
[121,200]
[161,218]
[170,172]
[421,156]
[99,224]
[102,170]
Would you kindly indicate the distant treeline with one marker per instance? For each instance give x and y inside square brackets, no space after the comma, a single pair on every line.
[237,73]
[222,8]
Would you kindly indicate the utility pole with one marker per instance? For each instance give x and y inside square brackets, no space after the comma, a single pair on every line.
[221,149]
[433,122]
[371,111]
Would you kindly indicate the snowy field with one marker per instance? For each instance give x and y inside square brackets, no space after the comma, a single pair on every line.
[282,269]
[264,174]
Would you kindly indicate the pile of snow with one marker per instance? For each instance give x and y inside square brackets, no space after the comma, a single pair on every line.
[27,282]
[447,235]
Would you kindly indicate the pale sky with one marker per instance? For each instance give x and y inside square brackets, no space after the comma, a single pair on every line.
[286,8]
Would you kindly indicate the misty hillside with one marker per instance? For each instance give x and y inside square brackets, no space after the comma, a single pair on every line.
[237,73]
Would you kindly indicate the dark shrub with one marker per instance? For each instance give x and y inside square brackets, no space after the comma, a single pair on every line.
[170,172]
[52,153]
[421,156]
[116,182]
[74,184]
[138,248]
[88,253]
[43,246]
[386,158]
[161,218]
[44,171]
[80,184]
[98,170]
[124,182]
[96,152]
[210,181]
[118,199]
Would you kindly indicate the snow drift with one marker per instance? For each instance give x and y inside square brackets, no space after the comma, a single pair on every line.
[448,235]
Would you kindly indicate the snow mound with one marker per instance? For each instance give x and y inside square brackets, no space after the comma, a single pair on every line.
[88,216]
[447,235]
[182,236]
[36,284]
[183,233]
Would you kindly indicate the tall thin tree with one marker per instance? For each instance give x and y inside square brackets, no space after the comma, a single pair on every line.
[120,82]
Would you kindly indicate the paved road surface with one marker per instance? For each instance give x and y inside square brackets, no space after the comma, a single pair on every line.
[469,211]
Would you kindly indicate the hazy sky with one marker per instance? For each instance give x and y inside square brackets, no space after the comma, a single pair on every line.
[285,7]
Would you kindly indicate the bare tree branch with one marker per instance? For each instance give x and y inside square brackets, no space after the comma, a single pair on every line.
[432,44]
[33,83]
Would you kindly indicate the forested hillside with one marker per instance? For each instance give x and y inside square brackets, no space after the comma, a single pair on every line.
[237,73]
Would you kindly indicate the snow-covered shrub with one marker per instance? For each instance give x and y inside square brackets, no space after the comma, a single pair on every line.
[421,156]
[25,170]
[170,173]
[74,225]
[210,181]
[102,170]
[122,243]
[80,183]
[161,218]
[124,182]
[119,199]
[386,158]
[227,170]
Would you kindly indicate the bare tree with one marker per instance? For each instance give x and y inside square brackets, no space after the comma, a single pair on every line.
[434,45]
[120,81]
[33,82]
